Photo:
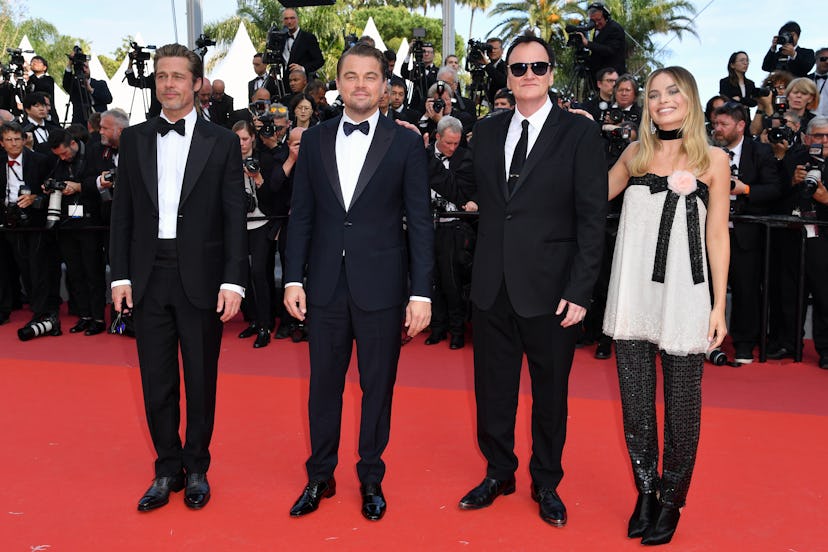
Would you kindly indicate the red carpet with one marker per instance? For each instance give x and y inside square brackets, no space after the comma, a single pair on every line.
[76,457]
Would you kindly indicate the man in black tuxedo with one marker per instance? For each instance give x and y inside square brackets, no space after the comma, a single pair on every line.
[39,81]
[397,102]
[495,68]
[221,105]
[422,81]
[789,57]
[36,106]
[756,187]
[263,79]
[301,49]
[34,253]
[355,177]
[820,78]
[178,257]
[452,189]
[608,47]
[540,240]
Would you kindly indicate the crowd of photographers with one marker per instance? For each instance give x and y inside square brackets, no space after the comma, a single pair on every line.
[64,178]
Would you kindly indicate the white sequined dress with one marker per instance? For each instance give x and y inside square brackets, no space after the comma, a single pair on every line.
[673,314]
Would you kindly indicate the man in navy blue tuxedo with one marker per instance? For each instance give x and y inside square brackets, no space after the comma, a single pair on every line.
[356,177]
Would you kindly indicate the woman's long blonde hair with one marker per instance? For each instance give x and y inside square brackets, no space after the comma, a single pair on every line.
[694,138]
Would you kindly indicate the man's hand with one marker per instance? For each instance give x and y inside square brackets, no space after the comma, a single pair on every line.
[72,188]
[25,200]
[470,206]
[121,295]
[104,182]
[582,112]
[574,313]
[740,188]
[417,316]
[294,67]
[788,50]
[295,302]
[584,40]
[820,195]
[799,175]
[228,301]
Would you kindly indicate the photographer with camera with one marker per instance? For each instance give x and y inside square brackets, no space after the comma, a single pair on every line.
[820,78]
[605,80]
[424,72]
[807,197]
[439,105]
[40,81]
[37,106]
[24,205]
[735,85]
[490,57]
[773,85]
[449,76]
[74,178]
[608,47]
[754,190]
[85,93]
[103,157]
[301,48]
[138,58]
[789,56]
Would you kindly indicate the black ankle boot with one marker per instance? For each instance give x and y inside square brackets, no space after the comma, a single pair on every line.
[645,514]
[663,530]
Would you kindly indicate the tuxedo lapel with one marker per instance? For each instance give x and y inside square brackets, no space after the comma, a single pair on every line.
[539,150]
[383,136]
[148,159]
[327,138]
[499,152]
[200,149]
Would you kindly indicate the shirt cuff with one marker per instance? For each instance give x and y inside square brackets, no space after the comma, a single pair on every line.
[420,298]
[292,284]
[233,287]
[120,283]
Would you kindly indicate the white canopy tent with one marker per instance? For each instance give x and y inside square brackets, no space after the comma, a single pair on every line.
[236,68]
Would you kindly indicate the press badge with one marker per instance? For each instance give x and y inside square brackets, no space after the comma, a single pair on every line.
[76,211]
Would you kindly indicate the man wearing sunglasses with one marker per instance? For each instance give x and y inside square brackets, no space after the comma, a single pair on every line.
[820,77]
[542,194]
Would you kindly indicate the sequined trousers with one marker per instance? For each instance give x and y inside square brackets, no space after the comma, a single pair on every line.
[682,417]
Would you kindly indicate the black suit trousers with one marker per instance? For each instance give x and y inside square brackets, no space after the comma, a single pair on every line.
[82,250]
[164,318]
[448,310]
[262,251]
[746,269]
[501,338]
[35,254]
[333,329]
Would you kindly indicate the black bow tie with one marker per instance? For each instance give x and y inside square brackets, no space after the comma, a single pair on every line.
[363,127]
[164,126]
[729,153]
[818,77]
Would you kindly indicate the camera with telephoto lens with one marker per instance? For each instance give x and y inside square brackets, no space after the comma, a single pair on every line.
[55,190]
[716,357]
[44,325]
[78,59]
[777,135]
[439,103]
[611,114]
[761,92]
[815,168]
[575,41]
[277,38]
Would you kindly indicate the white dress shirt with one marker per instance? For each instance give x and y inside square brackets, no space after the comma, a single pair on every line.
[40,133]
[536,121]
[351,152]
[13,183]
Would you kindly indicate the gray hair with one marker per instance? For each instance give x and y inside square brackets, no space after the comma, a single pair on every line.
[817,122]
[449,123]
[279,111]
[433,89]
[118,115]
[446,70]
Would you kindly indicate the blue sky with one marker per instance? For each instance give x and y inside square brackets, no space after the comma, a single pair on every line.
[724,26]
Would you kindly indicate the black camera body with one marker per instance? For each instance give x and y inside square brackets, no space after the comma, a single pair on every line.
[574,41]
[52,185]
[777,135]
[816,171]
[784,38]
[251,164]
[109,176]
[439,103]
[475,52]
[781,131]
[275,45]
[79,59]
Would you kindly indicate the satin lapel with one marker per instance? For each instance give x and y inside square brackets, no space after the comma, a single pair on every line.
[327,139]
[200,149]
[541,146]
[383,137]
[148,160]
[500,144]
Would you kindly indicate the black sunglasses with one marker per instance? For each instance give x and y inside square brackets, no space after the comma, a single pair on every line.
[538,67]
[823,59]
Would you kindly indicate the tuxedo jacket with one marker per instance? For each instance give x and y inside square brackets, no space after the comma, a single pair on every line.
[497,78]
[545,240]
[609,48]
[99,98]
[799,66]
[306,52]
[758,169]
[455,183]
[220,111]
[46,84]
[393,183]
[81,170]
[269,83]
[35,170]
[729,90]
[211,233]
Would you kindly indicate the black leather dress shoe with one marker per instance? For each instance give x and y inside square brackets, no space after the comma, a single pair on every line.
[484,494]
[95,327]
[373,501]
[249,331]
[314,492]
[664,528]
[435,338]
[262,338]
[283,332]
[780,353]
[159,492]
[81,326]
[457,342]
[4,317]
[197,492]
[645,514]
[552,509]
[604,349]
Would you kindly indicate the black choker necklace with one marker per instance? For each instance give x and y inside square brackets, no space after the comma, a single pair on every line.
[668,134]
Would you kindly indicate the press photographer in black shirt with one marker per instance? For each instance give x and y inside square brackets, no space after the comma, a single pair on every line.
[785,54]
[85,93]
[74,178]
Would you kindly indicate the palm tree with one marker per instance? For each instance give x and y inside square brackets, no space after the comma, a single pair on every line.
[544,18]
[475,5]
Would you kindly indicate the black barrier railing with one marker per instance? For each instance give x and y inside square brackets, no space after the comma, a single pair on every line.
[768,221]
